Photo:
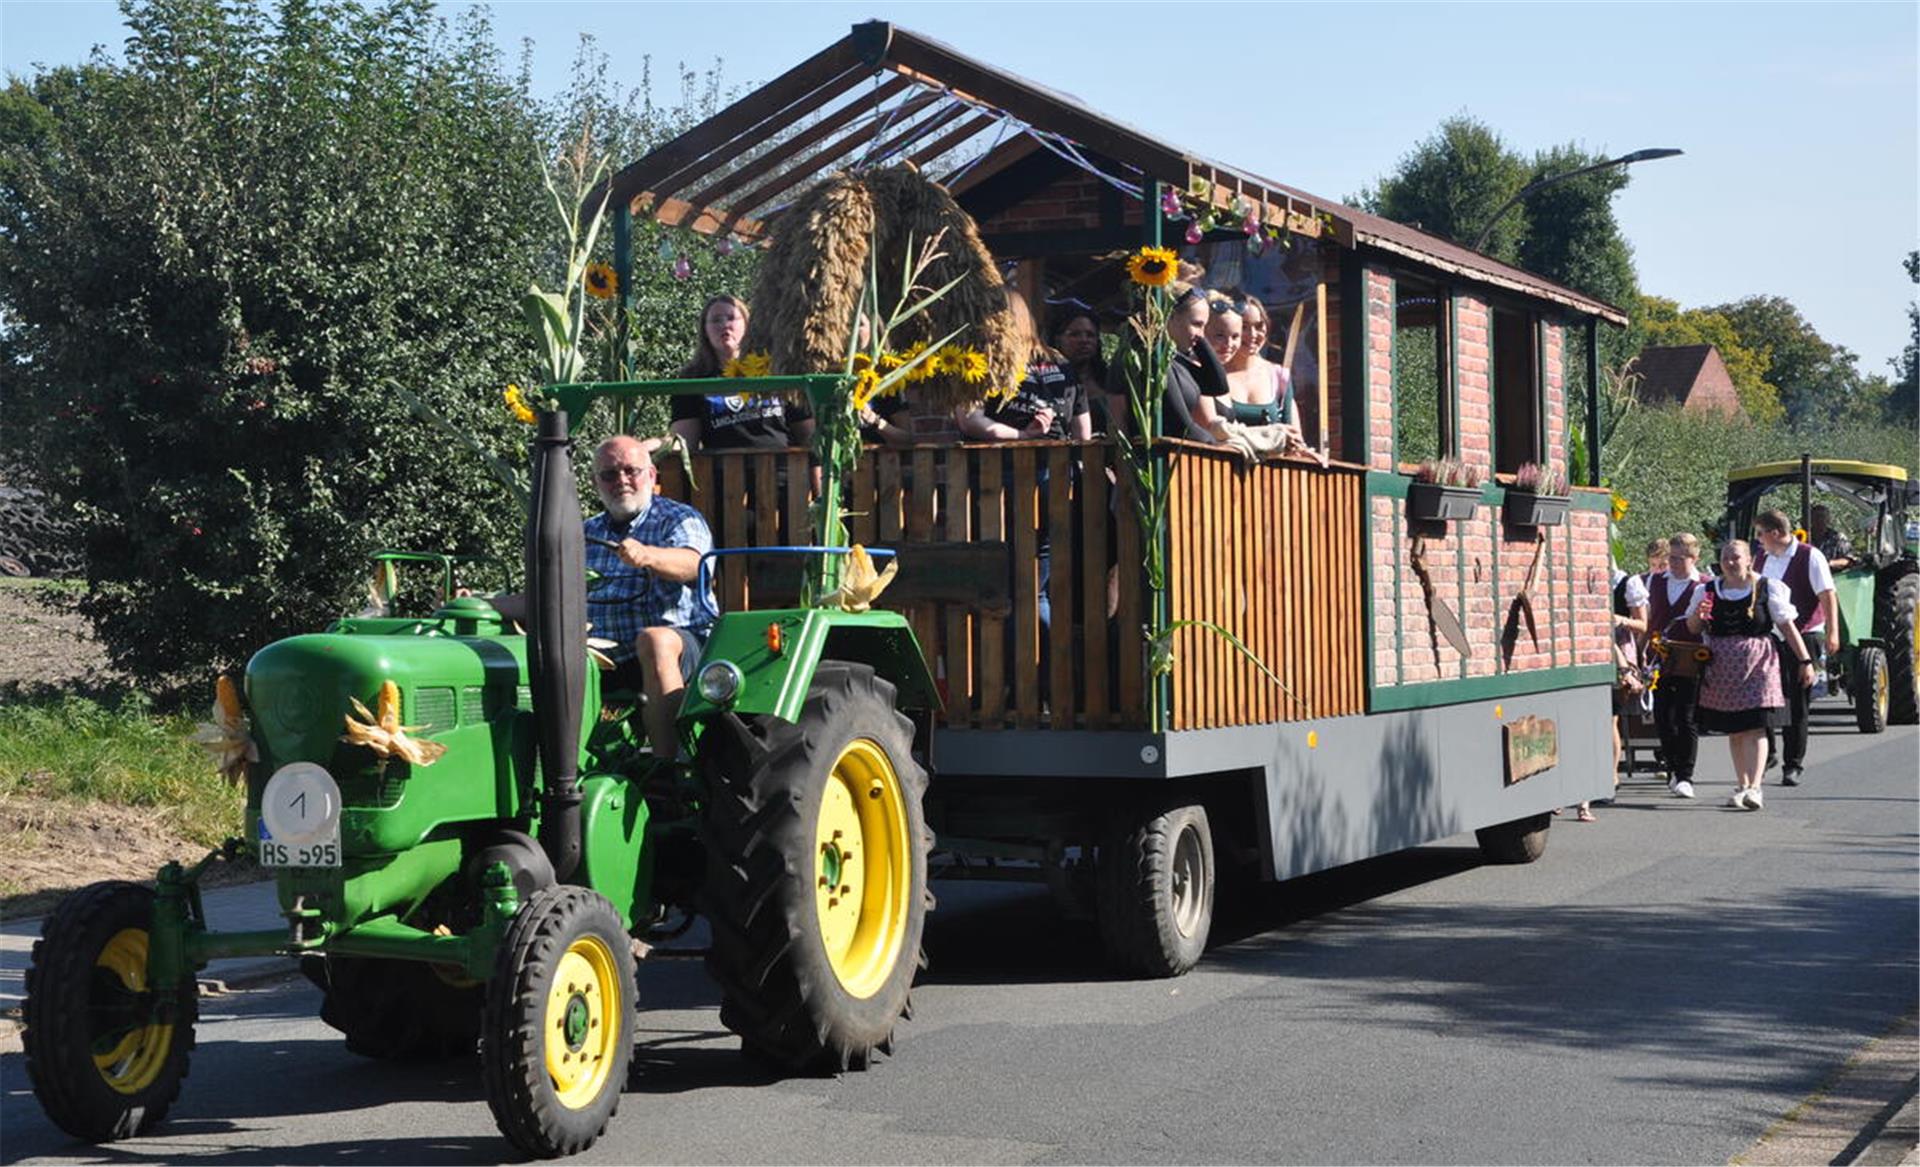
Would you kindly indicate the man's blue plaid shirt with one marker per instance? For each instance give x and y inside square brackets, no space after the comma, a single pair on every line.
[625,600]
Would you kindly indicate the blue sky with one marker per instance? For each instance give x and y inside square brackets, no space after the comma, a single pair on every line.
[1801,176]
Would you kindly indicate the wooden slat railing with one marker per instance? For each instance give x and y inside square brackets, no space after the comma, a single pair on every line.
[979,516]
[1260,552]
[1274,554]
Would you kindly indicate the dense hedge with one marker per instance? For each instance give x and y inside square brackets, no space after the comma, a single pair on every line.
[217,260]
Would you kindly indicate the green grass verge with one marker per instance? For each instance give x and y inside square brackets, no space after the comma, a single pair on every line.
[118,751]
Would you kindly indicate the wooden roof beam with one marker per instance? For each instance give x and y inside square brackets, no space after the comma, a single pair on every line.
[934,64]
[760,133]
[775,95]
[829,155]
[774,158]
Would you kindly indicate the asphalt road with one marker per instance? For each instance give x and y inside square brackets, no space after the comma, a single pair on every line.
[1662,988]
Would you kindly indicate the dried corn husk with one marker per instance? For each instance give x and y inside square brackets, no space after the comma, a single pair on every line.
[860,584]
[385,736]
[228,737]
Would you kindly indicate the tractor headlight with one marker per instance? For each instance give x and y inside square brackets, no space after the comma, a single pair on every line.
[720,682]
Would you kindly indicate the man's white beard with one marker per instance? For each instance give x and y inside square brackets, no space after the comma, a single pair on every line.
[624,510]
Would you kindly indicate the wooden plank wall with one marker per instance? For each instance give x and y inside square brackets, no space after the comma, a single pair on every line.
[1272,553]
[988,663]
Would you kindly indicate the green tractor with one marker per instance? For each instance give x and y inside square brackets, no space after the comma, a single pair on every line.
[497,897]
[1876,587]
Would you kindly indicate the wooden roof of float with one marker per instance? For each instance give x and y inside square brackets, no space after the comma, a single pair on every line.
[884,94]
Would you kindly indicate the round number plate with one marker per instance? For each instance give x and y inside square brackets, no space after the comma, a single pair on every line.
[301,804]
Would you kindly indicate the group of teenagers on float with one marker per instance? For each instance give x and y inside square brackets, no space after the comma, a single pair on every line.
[1222,386]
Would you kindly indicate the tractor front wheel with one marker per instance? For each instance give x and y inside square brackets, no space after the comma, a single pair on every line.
[816,883]
[1902,634]
[558,1031]
[106,1053]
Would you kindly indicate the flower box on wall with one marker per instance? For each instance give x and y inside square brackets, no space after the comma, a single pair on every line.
[1430,500]
[1524,508]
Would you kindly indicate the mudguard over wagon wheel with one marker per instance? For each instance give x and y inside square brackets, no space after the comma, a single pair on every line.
[558,1031]
[817,874]
[105,1053]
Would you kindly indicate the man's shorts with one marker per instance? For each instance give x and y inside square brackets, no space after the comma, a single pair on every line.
[626,674]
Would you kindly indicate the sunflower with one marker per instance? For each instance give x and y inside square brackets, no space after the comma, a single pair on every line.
[889,361]
[1153,266]
[602,283]
[518,404]
[865,381]
[1619,507]
[748,365]
[974,368]
[950,361]
[924,369]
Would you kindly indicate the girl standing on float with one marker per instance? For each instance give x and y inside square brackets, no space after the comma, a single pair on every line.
[1742,694]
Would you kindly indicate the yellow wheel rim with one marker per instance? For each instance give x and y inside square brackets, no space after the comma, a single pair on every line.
[128,1052]
[582,1022]
[862,868]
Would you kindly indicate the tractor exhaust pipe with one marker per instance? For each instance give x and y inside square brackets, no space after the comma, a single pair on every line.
[556,572]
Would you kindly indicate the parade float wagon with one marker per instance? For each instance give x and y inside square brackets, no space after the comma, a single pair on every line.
[1878,665]
[1290,668]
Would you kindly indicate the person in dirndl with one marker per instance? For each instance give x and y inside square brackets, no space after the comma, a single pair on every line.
[1742,693]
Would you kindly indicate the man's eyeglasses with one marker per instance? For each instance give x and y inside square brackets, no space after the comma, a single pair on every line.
[616,473]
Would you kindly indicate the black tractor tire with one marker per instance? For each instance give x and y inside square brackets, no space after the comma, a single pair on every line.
[562,993]
[1869,686]
[1155,882]
[817,896]
[106,1058]
[1520,841]
[397,1010]
[1903,651]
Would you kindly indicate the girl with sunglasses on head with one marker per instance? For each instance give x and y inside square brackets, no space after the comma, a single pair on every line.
[1259,392]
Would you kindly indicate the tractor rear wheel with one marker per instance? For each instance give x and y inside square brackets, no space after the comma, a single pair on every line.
[105,1053]
[1520,841]
[816,885]
[1869,686]
[397,1010]
[558,1032]
[1155,890]
[1902,634]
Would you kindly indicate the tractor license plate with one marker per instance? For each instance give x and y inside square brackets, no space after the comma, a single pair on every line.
[321,853]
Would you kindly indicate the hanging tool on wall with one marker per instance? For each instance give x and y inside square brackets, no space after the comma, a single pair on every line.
[1441,617]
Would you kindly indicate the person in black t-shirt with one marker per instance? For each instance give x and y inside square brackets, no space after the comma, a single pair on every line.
[1048,404]
[734,421]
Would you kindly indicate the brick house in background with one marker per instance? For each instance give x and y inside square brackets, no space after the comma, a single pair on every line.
[1691,374]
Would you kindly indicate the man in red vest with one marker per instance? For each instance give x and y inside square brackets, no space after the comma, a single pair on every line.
[1809,580]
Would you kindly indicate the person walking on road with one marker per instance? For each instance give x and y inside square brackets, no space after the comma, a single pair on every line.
[1669,597]
[1741,695]
[1809,582]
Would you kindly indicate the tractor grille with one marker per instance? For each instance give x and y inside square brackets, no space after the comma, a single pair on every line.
[473,705]
[433,710]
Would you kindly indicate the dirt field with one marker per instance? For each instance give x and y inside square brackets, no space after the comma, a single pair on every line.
[53,845]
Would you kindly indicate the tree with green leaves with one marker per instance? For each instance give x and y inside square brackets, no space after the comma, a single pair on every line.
[229,264]
[1809,375]
[1903,402]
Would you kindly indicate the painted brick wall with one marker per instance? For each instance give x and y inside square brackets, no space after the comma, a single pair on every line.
[1379,356]
[1472,320]
[1554,341]
[1479,566]
[1069,203]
